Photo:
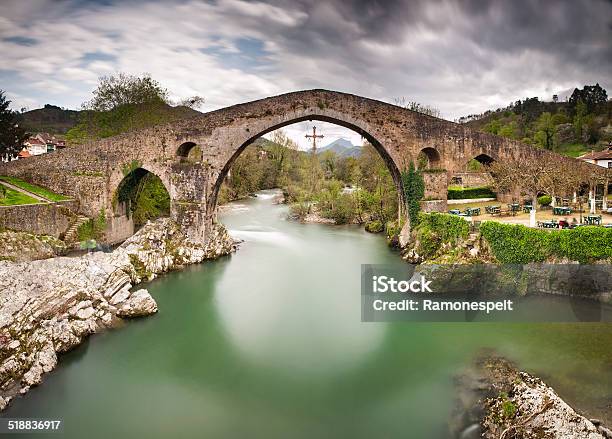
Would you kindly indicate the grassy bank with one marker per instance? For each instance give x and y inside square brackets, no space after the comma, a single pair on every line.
[40,191]
[12,197]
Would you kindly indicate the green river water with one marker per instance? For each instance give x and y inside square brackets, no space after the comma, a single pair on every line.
[268,343]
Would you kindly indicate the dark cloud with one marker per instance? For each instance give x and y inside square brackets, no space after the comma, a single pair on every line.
[460,56]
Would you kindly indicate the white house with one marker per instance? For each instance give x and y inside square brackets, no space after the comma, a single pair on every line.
[35,146]
[600,158]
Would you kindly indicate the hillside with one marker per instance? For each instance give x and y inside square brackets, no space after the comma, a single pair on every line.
[50,119]
[581,124]
[55,120]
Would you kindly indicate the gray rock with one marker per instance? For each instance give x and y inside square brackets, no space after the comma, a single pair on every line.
[121,295]
[51,305]
[139,304]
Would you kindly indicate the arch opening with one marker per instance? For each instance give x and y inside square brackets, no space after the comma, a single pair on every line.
[325,174]
[428,158]
[376,145]
[141,196]
[189,152]
[479,163]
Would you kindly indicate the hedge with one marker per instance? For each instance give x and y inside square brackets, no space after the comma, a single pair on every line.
[517,244]
[469,193]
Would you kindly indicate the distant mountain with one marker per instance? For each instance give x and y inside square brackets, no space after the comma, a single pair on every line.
[50,119]
[342,148]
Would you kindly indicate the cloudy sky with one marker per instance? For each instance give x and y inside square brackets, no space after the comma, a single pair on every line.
[461,57]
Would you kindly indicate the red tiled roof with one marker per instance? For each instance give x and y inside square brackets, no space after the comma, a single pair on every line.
[46,137]
[34,141]
[598,155]
[24,154]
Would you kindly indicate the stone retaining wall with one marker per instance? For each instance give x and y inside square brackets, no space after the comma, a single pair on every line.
[433,206]
[40,219]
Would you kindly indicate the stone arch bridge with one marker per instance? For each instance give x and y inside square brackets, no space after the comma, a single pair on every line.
[92,172]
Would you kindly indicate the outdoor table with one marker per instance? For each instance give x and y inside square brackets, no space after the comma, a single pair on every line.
[552,224]
[492,209]
[560,210]
[527,208]
[514,207]
[472,211]
[593,220]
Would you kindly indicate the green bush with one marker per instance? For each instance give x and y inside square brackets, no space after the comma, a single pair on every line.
[341,210]
[299,210]
[436,229]
[470,193]
[374,226]
[517,244]
[450,228]
[544,200]
[93,229]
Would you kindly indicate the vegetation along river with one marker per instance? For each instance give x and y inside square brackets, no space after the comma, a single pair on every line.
[268,343]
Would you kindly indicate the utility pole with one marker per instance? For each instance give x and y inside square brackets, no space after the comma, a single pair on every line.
[314,136]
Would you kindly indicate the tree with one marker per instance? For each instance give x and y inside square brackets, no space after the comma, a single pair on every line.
[12,135]
[579,118]
[546,131]
[593,96]
[192,102]
[528,177]
[329,161]
[122,89]
[123,103]
[419,108]
[282,148]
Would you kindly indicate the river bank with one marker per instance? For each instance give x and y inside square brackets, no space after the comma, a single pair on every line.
[49,306]
[496,400]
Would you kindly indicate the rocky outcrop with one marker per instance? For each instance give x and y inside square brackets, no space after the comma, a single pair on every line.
[498,401]
[50,306]
[23,246]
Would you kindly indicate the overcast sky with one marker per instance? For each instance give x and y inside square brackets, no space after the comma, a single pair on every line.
[461,57]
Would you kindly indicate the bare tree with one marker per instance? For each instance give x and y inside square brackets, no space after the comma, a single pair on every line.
[415,106]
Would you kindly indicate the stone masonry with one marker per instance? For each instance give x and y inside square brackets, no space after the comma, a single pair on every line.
[92,172]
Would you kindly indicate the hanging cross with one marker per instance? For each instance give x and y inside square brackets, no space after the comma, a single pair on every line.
[314,138]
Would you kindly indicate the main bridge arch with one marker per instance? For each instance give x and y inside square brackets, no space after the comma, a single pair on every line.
[358,126]
[91,172]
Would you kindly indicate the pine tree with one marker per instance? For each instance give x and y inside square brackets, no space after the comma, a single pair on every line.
[12,135]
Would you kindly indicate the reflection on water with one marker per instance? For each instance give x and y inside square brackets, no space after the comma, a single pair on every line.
[268,343]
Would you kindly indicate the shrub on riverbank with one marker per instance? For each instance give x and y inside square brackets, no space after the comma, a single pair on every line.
[456,193]
[374,226]
[435,230]
[517,244]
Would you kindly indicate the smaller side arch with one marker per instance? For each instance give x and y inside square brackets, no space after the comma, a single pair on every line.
[428,158]
[484,159]
[141,195]
[188,151]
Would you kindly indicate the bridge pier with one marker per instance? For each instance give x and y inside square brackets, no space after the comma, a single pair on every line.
[189,195]
[192,219]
